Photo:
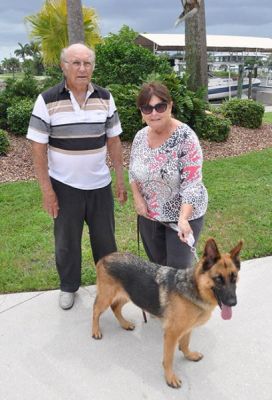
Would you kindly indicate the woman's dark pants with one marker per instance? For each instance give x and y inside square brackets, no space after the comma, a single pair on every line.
[163,246]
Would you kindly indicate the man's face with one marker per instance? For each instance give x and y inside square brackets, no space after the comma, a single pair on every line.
[77,67]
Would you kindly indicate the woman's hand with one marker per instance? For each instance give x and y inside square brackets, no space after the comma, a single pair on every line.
[139,201]
[140,206]
[183,222]
[184,230]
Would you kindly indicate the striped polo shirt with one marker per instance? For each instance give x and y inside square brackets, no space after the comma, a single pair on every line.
[76,137]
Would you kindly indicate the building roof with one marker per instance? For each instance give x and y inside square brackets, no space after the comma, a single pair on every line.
[176,42]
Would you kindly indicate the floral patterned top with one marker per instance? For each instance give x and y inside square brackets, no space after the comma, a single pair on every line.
[170,174]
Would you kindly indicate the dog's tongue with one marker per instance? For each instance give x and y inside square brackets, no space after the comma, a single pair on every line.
[226,312]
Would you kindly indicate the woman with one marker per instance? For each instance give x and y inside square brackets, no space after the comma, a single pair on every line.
[166,180]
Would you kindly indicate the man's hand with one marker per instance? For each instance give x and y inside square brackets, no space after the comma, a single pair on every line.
[50,203]
[115,152]
[121,193]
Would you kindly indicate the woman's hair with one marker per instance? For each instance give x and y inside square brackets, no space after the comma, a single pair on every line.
[153,89]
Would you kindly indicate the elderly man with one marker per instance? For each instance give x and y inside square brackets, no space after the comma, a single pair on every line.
[72,126]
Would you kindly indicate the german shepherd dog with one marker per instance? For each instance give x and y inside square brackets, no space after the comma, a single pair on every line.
[182,299]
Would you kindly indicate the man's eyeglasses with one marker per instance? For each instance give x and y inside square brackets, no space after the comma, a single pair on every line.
[159,107]
[77,64]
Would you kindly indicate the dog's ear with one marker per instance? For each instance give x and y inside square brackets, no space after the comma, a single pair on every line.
[235,252]
[211,254]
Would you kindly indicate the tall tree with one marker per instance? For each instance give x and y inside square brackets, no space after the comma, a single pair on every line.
[11,64]
[50,28]
[22,51]
[196,49]
[75,22]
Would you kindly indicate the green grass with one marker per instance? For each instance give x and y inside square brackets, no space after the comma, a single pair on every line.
[267,117]
[18,75]
[240,207]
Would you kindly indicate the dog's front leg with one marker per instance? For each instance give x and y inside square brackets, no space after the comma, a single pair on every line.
[170,342]
[184,347]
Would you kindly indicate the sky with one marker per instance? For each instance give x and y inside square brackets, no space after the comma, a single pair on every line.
[223,17]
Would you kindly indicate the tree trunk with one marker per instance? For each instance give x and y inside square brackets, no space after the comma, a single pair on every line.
[75,22]
[196,50]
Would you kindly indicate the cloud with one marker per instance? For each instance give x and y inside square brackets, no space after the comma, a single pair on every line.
[229,17]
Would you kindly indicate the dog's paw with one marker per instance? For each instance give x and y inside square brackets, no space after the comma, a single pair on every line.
[97,335]
[194,356]
[173,381]
[128,326]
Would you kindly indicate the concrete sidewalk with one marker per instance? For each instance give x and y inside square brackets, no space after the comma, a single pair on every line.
[48,354]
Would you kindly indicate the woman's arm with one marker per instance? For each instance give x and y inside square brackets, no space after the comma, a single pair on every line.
[139,202]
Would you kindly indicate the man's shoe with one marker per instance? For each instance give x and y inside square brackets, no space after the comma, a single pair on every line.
[66,300]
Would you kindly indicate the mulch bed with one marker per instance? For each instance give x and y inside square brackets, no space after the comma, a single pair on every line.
[17,165]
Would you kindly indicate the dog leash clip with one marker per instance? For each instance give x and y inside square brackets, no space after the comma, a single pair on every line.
[190,242]
[193,250]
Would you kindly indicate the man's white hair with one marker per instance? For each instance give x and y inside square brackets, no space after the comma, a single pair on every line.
[66,49]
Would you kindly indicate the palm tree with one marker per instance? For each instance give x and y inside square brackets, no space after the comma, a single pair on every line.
[11,64]
[50,28]
[34,51]
[196,49]
[75,21]
[22,51]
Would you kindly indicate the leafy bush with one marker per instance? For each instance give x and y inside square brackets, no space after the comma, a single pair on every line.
[16,89]
[4,104]
[120,61]
[53,75]
[26,87]
[125,99]
[246,113]
[19,115]
[213,128]
[188,106]
[4,142]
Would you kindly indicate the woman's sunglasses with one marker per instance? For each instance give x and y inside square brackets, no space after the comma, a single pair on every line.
[159,107]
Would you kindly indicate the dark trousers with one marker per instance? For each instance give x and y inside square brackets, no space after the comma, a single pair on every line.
[96,208]
[163,246]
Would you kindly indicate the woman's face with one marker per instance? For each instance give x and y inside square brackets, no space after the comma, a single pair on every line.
[157,117]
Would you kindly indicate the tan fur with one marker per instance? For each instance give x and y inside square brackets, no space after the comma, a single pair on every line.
[181,315]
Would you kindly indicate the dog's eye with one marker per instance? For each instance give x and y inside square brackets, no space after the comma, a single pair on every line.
[233,278]
[219,280]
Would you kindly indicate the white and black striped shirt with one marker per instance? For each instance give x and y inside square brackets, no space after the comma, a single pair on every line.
[76,137]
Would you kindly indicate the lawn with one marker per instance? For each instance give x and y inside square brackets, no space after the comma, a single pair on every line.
[267,117]
[240,207]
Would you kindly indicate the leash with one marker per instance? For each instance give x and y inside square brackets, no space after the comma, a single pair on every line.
[138,245]
[190,241]
[193,250]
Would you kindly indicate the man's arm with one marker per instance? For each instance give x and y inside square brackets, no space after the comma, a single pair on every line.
[40,161]
[116,155]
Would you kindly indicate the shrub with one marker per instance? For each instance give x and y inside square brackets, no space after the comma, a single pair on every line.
[213,128]
[16,89]
[4,142]
[119,60]
[243,112]
[4,104]
[188,106]
[19,115]
[53,75]
[26,87]
[125,99]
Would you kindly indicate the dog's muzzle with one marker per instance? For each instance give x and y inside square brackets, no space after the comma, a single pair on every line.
[225,302]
